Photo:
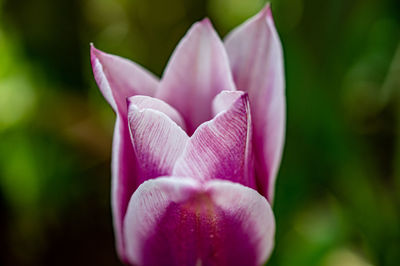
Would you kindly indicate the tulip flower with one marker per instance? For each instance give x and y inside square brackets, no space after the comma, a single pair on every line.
[195,154]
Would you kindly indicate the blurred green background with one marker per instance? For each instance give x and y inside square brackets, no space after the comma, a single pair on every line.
[338,192]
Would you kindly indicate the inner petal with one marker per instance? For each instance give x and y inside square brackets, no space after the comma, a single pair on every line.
[157,140]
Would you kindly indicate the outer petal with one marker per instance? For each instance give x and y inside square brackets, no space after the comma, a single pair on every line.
[175,221]
[221,148]
[157,140]
[123,167]
[255,54]
[198,70]
[117,79]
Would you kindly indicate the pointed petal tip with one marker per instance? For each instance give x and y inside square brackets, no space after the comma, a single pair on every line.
[267,8]
[206,22]
[266,12]
[206,25]
[93,49]
[94,52]
[268,16]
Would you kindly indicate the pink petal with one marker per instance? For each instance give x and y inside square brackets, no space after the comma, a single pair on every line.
[255,54]
[221,148]
[117,79]
[197,71]
[157,140]
[178,221]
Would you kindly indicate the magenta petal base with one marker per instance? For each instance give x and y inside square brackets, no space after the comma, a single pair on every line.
[179,221]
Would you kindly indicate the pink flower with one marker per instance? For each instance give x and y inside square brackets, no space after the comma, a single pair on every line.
[195,154]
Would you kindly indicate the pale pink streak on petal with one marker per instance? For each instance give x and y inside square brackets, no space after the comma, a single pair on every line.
[221,148]
[117,79]
[179,221]
[197,71]
[255,54]
[157,140]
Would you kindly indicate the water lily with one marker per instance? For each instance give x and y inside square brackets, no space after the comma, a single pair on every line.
[196,154]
